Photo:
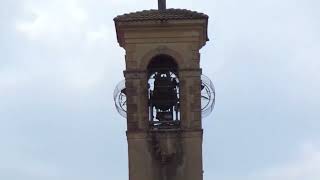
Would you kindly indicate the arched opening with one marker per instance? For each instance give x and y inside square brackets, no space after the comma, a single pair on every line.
[163,93]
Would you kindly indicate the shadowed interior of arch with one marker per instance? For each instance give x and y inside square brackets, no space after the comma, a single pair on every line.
[162,62]
[163,88]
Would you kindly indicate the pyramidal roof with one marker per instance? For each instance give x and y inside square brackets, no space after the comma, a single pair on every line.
[167,14]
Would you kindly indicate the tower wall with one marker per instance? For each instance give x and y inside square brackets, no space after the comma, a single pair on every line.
[172,154]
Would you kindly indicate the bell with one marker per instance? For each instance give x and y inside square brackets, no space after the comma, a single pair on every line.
[164,95]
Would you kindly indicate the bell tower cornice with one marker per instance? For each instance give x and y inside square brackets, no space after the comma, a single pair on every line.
[189,24]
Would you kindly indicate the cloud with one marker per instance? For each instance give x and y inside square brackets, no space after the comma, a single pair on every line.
[305,166]
[102,33]
[51,19]
[61,20]
[66,42]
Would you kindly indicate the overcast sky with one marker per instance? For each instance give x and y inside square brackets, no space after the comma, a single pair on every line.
[60,61]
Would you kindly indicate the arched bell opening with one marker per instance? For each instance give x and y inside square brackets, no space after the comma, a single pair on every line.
[163,93]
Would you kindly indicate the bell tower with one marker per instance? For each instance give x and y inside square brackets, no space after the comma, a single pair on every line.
[164,95]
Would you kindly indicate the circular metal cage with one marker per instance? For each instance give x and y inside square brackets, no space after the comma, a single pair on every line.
[120,98]
[208,96]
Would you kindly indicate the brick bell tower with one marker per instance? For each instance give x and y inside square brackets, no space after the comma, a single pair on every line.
[164,95]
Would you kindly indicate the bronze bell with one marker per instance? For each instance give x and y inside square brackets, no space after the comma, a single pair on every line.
[164,95]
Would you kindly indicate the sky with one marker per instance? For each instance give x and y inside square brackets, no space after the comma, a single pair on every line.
[60,62]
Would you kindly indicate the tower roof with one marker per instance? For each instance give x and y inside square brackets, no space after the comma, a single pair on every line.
[167,14]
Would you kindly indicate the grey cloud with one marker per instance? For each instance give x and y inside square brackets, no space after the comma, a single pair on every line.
[56,92]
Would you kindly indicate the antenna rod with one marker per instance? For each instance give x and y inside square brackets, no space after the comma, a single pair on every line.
[162,5]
